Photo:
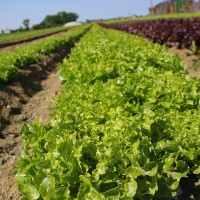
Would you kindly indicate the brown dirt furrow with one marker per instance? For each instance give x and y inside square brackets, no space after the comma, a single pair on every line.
[189,60]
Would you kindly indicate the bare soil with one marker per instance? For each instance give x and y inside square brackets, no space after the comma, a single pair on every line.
[189,60]
[29,97]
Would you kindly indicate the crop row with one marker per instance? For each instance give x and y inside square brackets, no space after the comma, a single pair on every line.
[126,125]
[30,53]
[171,32]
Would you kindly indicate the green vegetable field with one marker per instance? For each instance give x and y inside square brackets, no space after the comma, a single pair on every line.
[27,54]
[126,126]
[13,37]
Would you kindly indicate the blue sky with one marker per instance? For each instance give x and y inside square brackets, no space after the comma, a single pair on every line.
[13,12]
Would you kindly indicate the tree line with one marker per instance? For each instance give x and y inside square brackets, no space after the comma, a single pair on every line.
[51,21]
[56,20]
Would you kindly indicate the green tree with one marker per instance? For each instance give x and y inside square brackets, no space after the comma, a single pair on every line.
[55,20]
[26,23]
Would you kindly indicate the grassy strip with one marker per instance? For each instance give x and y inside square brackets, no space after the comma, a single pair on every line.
[14,37]
[126,125]
[27,54]
[167,16]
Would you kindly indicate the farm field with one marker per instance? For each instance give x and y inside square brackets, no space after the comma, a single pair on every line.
[14,37]
[10,62]
[25,98]
[126,125]
[181,33]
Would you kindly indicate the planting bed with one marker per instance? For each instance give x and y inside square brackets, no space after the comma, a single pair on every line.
[31,103]
[25,99]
